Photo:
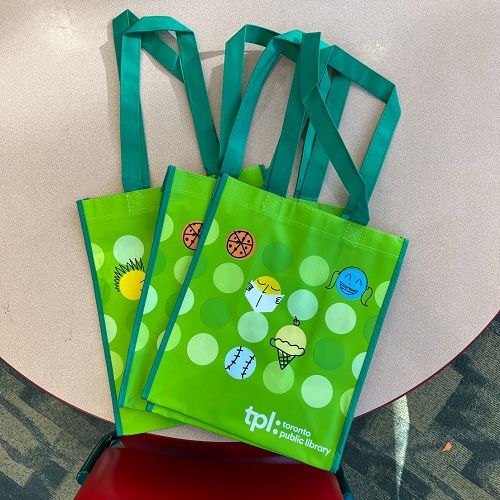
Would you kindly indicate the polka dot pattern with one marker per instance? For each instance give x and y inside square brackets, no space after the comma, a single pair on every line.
[116,364]
[215,312]
[142,337]
[98,256]
[181,268]
[357,364]
[380,293]
[276,380]
[302,304]
[151,300]
[128,247]
[340,318]
[111,327]
[167,229]
[314,270]
[202,349]
[317,391]
[345,401]
[277,257]
[228,277]
[253,326]
[213,233]
[328,354]
[187,303]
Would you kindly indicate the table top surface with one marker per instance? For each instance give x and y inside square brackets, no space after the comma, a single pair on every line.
[59,142]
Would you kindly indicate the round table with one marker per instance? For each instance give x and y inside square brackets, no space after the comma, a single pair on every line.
[59,142]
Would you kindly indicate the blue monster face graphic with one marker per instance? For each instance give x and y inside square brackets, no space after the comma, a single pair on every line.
[352,284]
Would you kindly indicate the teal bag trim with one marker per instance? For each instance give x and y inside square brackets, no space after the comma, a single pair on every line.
[158,49]
[192,73]
[207,222]
[100,313]
[366,364]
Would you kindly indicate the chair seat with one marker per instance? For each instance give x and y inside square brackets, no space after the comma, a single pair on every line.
[156,467]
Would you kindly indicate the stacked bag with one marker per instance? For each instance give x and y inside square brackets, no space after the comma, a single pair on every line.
[224,303]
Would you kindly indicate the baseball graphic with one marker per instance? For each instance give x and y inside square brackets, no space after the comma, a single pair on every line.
[264,294]
[191,234]
[290,342]
[240,244]
[240,362]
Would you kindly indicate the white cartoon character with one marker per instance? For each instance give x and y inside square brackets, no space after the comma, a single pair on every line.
[264,294]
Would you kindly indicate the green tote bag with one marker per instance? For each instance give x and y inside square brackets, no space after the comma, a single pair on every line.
[307,292]
[188,199]
[118,229]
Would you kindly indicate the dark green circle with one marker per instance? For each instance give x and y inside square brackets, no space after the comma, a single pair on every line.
[277,257]
[105,292]
[160,262]
[130,319]
[369,327]
[201,266]
[215,312]
[328,354]
[170,303]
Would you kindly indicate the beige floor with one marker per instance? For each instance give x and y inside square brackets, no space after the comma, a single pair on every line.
[59,143]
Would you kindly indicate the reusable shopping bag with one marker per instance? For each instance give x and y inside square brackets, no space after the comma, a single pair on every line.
[189,196]
[301,295]
[118,229]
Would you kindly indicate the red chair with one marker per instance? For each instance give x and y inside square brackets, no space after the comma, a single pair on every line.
[152,467]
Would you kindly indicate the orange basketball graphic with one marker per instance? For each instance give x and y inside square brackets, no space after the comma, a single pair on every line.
[191,234]
[240,244]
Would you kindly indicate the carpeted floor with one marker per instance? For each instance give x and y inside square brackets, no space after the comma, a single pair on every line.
[441,441]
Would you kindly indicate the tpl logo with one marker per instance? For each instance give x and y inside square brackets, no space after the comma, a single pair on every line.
[260,421]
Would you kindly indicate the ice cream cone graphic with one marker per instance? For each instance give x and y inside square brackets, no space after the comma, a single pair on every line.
[290,342]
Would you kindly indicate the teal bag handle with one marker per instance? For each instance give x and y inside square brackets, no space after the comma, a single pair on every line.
[280,170]
[130,129]
[232,82]
[168,58]
[309,68]
[372,163]
[233,159]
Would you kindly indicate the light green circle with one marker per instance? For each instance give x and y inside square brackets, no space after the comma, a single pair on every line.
[181,268]
[173,340]
[151,300]
[142,337]
[380,293]
[302,304]
[128,247]
[314,270]
[340,318]
[213,233]
[277,380]
[357,364]
[317,391]
[187,303]
[277,257]
[228,277]
[98,255]
[202,349]
[215,312]
[111,327]
[345,401]
[167,229]
[328,354]
[116,364]
[253,326]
